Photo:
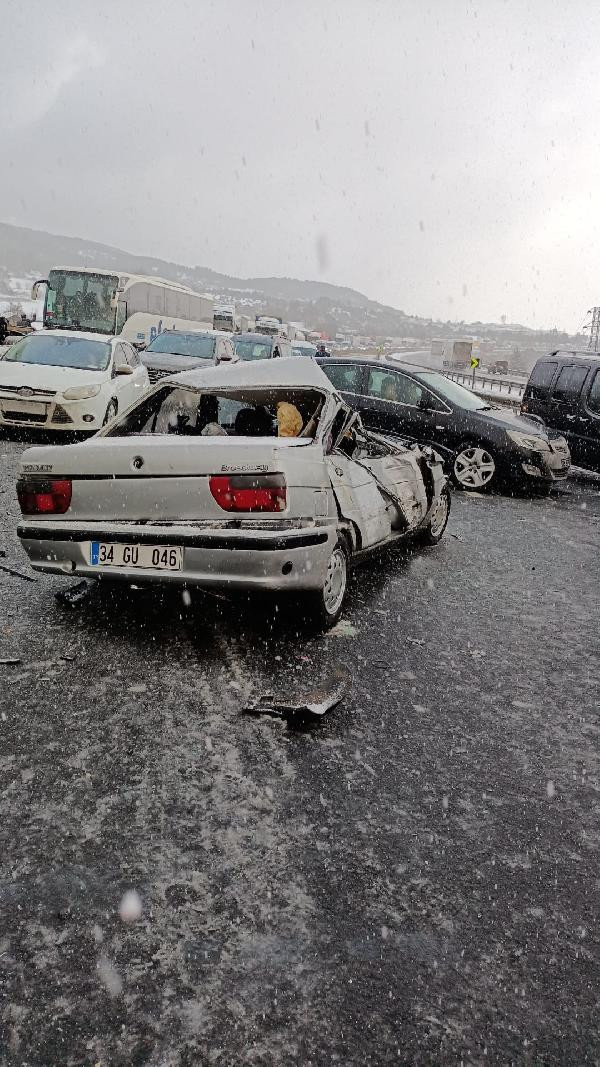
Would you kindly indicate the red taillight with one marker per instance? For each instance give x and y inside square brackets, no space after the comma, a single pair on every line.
[44,496]
[249,492]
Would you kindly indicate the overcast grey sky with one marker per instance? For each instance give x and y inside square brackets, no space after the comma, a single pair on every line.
[441,157]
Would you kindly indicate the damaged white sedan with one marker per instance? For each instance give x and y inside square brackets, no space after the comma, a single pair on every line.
[253,476]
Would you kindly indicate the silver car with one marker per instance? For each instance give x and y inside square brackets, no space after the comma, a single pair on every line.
[253,476]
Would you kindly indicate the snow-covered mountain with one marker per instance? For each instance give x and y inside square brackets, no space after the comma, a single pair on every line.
[27,254]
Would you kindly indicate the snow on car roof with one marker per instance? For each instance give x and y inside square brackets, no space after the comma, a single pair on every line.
[287,372]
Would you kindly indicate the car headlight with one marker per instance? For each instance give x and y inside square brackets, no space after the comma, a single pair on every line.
[81,392]
[529,440]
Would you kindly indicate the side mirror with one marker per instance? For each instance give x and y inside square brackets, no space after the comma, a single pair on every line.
[35,288]
[123,368]
[225,357]
[424,403]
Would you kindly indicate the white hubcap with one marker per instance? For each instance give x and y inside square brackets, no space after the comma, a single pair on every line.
[335,581]
[439,516]
[474,467]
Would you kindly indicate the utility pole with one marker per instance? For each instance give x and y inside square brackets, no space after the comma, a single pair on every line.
[594,328]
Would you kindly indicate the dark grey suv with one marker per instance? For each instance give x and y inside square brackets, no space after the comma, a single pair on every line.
[174,351]
[564,390]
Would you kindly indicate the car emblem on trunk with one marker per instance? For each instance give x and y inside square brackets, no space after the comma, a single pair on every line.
[26,391]
[137,462]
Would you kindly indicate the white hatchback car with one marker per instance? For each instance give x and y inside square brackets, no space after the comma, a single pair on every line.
[68,380]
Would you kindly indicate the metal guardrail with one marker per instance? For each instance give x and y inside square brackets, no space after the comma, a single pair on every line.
[487,385]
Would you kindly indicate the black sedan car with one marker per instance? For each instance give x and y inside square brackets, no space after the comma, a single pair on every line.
[480,443]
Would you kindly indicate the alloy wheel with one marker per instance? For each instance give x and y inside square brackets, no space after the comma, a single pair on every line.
[334,586]
[439,516]
[474,467]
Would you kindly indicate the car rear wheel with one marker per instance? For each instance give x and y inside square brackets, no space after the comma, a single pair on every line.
[474,467]
[434,531]
[111,411]
[323,607]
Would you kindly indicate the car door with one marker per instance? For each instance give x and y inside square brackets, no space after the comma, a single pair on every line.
[590,424]
[348,378]
[536,397]
[565,409]
[392,404]
[358,497]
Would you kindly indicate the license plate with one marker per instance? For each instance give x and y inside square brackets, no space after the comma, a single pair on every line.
[26,408]
[147,557]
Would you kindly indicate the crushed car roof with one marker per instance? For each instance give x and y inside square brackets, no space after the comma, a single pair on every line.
[286,372]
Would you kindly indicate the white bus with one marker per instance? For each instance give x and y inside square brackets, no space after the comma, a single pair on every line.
[114,302]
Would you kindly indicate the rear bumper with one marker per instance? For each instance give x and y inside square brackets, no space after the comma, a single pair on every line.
[235,558]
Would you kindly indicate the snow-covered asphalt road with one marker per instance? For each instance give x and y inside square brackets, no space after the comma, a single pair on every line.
[413,879]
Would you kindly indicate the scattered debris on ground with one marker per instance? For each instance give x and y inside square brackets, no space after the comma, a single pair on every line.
[17,574]
[315,701]
[343,629]
[74,594]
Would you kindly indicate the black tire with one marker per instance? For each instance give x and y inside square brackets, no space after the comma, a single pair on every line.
[110,413]
[474,467]
[322,608]
[434,531]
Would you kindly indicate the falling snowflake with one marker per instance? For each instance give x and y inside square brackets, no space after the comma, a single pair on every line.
[130,908]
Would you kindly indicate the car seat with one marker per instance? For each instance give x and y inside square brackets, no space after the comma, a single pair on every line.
[253,422]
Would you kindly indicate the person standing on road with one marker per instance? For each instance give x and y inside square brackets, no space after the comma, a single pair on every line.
[321,350]
[3,329]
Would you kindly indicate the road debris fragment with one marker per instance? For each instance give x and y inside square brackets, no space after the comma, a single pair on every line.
[343,629]
[17,574]
[74,594]
[312,702]
[9,662]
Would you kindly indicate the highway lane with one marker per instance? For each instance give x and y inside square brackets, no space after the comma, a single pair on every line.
[412,879]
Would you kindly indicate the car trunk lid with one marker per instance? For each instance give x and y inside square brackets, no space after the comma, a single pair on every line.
[168,478]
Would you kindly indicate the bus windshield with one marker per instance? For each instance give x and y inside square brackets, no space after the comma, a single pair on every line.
[81,300]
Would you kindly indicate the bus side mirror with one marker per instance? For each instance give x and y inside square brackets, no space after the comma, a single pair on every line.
[35,288]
